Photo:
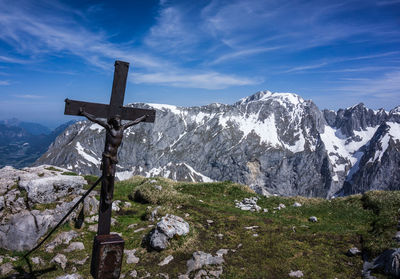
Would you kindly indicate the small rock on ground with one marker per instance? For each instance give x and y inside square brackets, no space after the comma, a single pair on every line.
[313,219]
[130,256]
[80,262]
[61,260]
[397,236]
[70,276]
[166,261]
[37,260]
[249,204]
[75,246]
[297,274]
[93,228]
[6,268]
[62,238]
[200,259]
[133,274]
[353,252]
[131,226]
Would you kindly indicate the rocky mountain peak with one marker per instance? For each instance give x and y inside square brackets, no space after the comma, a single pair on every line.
[396,110]
[289,98]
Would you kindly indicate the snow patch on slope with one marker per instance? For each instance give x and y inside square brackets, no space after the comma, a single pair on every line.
[266,129]
[162,107]
[393,133]
[124,175]
[95,127]
[86,156]
[203,177]
[339,147]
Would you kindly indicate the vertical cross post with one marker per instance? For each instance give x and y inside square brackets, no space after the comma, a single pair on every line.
[115,109]
[108,249]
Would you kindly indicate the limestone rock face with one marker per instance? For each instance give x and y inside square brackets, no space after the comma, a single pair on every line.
[21,225]
[277,143]
[49,189]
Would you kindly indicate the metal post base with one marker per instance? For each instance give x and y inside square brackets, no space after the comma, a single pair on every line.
[108,251]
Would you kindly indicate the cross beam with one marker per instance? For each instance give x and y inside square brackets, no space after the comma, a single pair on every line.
[115,107]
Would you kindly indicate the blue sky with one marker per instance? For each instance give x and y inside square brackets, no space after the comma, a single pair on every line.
[185,53]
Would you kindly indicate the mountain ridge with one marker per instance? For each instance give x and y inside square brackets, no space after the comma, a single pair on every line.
[278,143]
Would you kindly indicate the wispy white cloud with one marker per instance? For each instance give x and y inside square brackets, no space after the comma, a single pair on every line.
[13,60]
[28,96]
[171,32]
[4,82]
[364,69]
[39,33]
[243,53]
[208,80]
[301,24]
[328,62]
[43,32]
[388,2]
[387,85]
[305,67]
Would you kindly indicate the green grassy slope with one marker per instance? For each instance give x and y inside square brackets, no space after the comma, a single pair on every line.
[283,241]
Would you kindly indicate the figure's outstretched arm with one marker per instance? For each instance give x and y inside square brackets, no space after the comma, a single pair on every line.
[93,118]
[136,121]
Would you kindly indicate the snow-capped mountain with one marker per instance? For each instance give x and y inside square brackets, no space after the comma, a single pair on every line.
[277,143]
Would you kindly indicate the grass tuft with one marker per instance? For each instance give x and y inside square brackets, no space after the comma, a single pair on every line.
[52,169]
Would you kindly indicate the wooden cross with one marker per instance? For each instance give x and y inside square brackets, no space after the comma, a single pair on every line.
[108,249]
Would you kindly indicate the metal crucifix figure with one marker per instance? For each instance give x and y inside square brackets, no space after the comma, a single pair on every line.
[108,249]
[114,134]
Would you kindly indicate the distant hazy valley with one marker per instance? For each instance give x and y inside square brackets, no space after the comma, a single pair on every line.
[22,143]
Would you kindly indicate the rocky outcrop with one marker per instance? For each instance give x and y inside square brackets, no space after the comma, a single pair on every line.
[24,217]
[277,143]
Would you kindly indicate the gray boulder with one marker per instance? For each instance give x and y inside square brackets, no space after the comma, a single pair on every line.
[167,228]
[172,225]
[388,261]
[23,230]
[158,240]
